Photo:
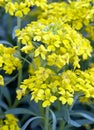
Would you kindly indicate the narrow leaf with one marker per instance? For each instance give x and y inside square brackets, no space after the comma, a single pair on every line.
[65,113]
[20,111]
[85,114]
[3,105]
[74,123]
[13,33]
[6,43]
[6,94]
[84,121]
[29,121]
[54,120]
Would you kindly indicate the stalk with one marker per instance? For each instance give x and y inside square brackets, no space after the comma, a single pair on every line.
[19,46]
[62,125]
[47,118]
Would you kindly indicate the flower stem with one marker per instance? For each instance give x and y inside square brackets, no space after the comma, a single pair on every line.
[47,118]
[62,125]
[19,46]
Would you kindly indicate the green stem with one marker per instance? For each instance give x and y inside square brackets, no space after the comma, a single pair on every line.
[19,27]
[62,125]
[19,46]
[12,79]
[19,22]
[41,109]
[47,118]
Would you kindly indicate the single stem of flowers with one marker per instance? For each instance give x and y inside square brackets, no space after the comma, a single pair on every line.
[19,46]
[47,118]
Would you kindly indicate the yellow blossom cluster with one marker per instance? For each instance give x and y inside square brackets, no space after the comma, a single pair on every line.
[77,13]
[60,44]
[22,7]
[54,42]
[9,123]
[8,61]
[47,86]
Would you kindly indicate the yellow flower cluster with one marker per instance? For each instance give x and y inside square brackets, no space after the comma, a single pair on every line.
[21,8]
[8,61]
[61,44]
[47,86]
[77,13]
[53,43]
[10,123]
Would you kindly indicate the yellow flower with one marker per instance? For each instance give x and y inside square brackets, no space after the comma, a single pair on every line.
[1,61]
[1,80]
[5,127]
[46,103]
[8,67]
[52,99]
[19,13]
[8,60]
[10,7]
[19,94]
[43,73]
[58,60]
[10,123]
[41,50]
[27,49]
[90,32]
[63,99]
[22,8]
[48,98]
[77,25]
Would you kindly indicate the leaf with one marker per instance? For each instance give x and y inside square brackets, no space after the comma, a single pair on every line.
[29,121]
[79,123]
[1,114]
[74,123]
[76,96]
[6,43]
[65,113]
[85,114]
[84,121]
[10,79]
[54,120]
[3,105]
[35,123]
[13,32]
[20,111]
[5,92]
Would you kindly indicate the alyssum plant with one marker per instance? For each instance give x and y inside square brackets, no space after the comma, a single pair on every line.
[56,44]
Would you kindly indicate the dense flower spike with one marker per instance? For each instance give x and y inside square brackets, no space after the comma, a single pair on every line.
[21,8]
[10,123]
[8,61]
